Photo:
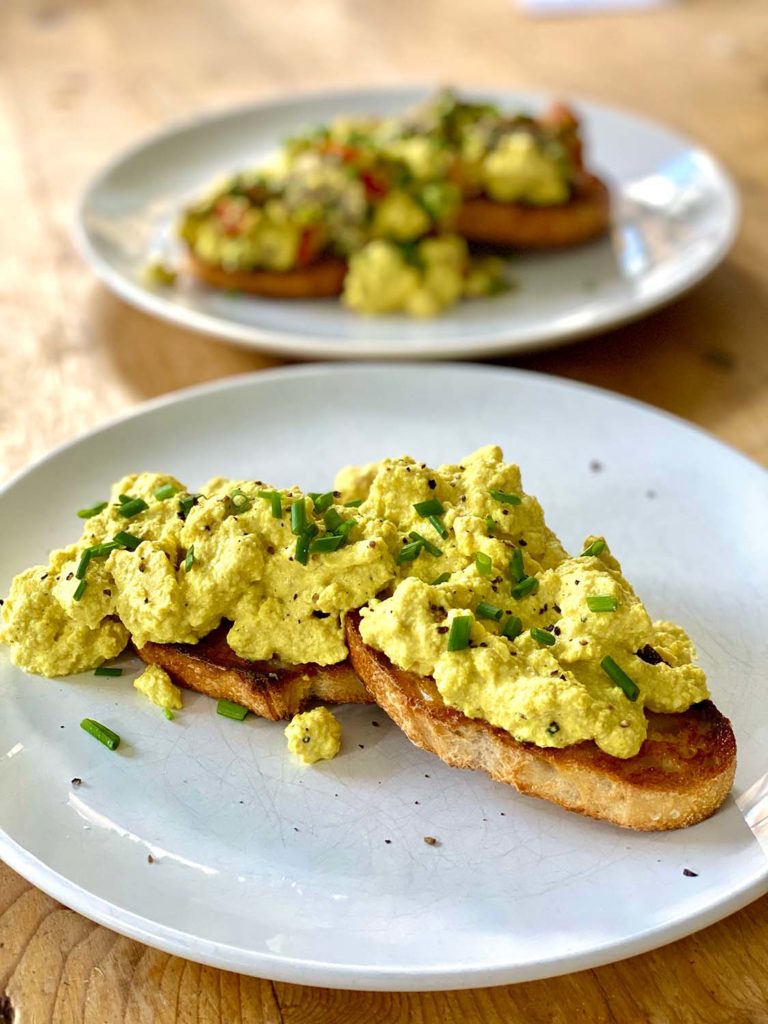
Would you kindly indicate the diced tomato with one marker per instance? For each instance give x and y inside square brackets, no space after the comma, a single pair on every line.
[375,184]
[229,215]
[310,242]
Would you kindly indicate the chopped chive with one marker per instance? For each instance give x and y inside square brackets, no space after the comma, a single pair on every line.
[106,670]
[543,636]
[321,502]
[80,589]
[437,525]
[485,610]
[431,507]
[525,587]
[276,502]
[168,714]
[240,501]
[332,519]
[442,578]
[298,517]
[512,628]
[620,678]
[330,542]
[122,498]
[433,549]
[126,540]
[602,603]
[132,507]
[504,498]
[165,492]
[516,566]
[461,631]
[189,561]
[101,733]
[187,503]
[301,554]
[230,710]
[89,513]
[345,527]
[102,550]
[409,552]
[82,565]
[354,504]
[595,548]
[483,563]
[490,525]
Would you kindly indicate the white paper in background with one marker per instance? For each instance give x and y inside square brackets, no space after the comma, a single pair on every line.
[587,6]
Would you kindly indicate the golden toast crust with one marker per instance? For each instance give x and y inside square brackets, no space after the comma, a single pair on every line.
[319,280]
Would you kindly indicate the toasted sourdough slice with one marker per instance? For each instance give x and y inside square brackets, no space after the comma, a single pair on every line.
[515,225]
[681,775]
[270,689]
[319,280]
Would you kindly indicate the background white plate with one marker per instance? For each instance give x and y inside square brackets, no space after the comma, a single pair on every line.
[676,213]
[266,867]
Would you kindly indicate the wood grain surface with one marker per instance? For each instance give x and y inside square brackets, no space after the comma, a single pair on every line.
[80,79]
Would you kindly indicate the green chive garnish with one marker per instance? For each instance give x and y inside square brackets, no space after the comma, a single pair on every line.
[543,636]
[512,627]
[187,503]
[490,525]
[595,548]
[80,590]
[461,631]
[433,549]
[525,587]
[344,528]
[620,678]
[442,578]
[189,561]
[126,540]
[275,501]
[409,552]
[165,492]
[435,522]
[321,502]
[483,563]
[298,517]
[301,554]
[102,550]
[602,603]
[488,611]
[331,542]
[332,519]
[504,498]
[168,714]
[230,710]
[431,507]
[242,503]
[354,504]
[105,670]
[122,498]
[101,733]
[89,513]
[83,563]
[132,507]
[516,567]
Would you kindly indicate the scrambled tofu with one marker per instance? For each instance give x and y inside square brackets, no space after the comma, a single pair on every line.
[157,687]
[314,735]
[456,574]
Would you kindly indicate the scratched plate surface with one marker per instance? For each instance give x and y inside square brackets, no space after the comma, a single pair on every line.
[322,875]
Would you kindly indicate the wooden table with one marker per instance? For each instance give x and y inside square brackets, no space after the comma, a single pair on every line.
[80,80]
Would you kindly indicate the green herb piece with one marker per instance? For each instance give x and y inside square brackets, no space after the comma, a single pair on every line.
[354,504]
[276,502]
[433,549]
[321,502]
[344,528]
[504,498]
[126,540]
[101,733]
[298,517]
[330,542]
[602,603]
[490,525]
[132,507]
[168,714]
[483,563]
[89,513]
[461,631]
[189,561]
[122,498]
[595,548]
[543,636]
[431,507]
[512,628]
[409,552]
[301,554]
[187,503]
[525,587]
[618,676]
[442,578]
[516,567]
[106,670]
[102,550]
[437,525]
[332,519]
[485,610]
[228,709]
[240,502]
[82,565]
[165,492]
[80,589]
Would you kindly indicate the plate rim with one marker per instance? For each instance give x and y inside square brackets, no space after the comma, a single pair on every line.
[302,345]
[355,977]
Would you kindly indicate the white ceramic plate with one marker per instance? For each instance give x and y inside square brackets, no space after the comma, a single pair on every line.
[676,213]
[322,875]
